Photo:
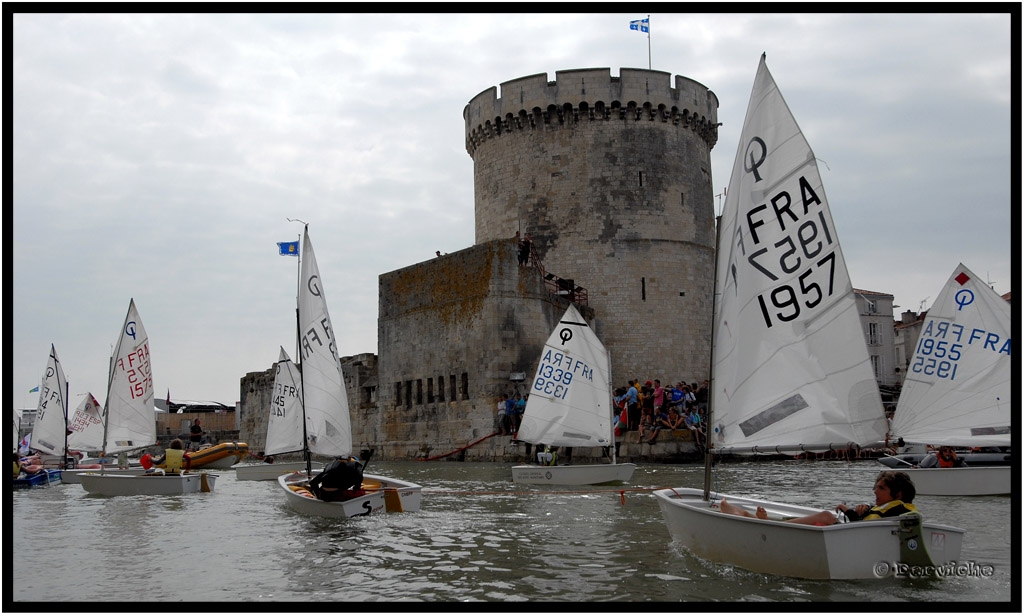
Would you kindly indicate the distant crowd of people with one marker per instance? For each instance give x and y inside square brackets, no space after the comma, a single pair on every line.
[646,408]
[649,408]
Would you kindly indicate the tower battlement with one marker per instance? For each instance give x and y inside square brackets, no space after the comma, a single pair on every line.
[591,94]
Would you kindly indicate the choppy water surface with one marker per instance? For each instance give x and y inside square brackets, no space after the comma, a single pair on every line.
[478,538]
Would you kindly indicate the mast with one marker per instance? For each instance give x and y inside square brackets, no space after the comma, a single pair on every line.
[64,462]
[648,42]
[611,398]
[306,454]
[709,445]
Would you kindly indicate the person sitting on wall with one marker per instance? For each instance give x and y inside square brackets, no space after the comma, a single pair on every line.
[341,480]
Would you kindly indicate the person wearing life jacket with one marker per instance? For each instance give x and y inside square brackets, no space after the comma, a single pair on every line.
[944,458]
[17,464]
[174,460]
[894,494]
[341,480]
[28,465]
[547,457]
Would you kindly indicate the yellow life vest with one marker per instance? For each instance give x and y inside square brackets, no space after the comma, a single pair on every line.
[174,460]
[886,510]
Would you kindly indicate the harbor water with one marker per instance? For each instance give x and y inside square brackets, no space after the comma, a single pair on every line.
[478,538]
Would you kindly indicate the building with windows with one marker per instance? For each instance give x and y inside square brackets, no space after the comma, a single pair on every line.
[875,311]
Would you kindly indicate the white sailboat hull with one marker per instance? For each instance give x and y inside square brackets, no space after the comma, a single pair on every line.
[595,474]
[861,550]
[72,477]
[301,501]
[110,484]
[982,480]
[270,471]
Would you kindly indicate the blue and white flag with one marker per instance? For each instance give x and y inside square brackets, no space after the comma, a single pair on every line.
[288,248]
[34,390]
[643,25]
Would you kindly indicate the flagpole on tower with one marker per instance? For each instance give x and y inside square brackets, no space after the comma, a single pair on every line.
[644,25]
[648,42]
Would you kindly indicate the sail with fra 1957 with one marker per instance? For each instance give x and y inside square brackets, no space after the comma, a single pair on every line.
[790,369]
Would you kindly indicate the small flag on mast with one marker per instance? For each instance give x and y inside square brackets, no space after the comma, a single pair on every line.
[643,25]
[35,390]
[288,248]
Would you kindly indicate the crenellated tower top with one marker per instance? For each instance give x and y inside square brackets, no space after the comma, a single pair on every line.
[591,94]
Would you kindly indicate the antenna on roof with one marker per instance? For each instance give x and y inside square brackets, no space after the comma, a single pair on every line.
[923,302]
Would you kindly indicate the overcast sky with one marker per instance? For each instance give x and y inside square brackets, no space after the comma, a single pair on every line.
[158,157]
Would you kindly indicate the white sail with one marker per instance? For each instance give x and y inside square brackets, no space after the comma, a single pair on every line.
[284,426]
[51,412]
[325,399]
[957,390]
[570,398]
[791,365]
[86,425]
[131,421]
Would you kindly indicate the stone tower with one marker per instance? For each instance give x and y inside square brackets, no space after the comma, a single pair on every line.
[611,177]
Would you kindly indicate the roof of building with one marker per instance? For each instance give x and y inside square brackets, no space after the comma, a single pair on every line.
[871,292]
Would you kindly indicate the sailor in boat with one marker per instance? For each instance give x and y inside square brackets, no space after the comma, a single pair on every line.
[28,465]
[547,457]
[894,494]
[945,458]
[174,459]
[341,480]
[32,464]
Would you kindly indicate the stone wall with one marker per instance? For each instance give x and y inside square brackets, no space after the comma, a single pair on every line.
[453,332]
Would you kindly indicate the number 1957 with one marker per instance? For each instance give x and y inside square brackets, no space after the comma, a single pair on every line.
[808,294]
